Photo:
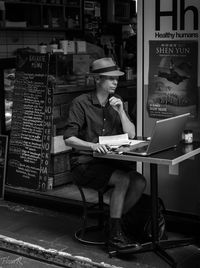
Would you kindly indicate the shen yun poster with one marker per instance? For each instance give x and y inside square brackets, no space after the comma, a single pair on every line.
[172,78]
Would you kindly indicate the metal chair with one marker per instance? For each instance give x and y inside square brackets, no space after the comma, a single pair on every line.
[93,234]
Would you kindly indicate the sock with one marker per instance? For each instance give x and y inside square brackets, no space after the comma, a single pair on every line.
[114,224]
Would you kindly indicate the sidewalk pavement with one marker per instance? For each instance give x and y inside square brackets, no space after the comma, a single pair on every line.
[47,235]
[8,259]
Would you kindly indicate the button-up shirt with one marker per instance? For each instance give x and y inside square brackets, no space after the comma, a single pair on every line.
[88,119]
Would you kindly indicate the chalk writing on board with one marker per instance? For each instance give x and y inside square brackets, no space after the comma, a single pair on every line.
[30,137]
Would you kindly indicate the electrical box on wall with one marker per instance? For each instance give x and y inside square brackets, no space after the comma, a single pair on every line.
[120,11]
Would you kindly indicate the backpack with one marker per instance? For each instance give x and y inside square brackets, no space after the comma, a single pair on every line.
[137,222]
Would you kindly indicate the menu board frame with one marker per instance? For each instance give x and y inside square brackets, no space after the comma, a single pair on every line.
[31,128]
[3,163]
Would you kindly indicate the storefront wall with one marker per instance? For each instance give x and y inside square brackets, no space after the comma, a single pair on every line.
[179,26]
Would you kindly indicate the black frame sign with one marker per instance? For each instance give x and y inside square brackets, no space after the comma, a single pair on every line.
[30,138]
[3,162]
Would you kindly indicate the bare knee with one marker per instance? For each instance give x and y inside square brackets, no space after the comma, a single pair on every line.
[138,181]
[120,179]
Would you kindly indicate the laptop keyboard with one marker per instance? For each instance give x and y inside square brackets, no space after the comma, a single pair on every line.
[140,149]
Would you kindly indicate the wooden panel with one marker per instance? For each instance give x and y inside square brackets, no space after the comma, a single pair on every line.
[61,178]
[56,112]
[59,163]
[58,145]
[64,98]
[64,109]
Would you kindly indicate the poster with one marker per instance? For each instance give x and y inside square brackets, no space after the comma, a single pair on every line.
[3,162]
[172,78]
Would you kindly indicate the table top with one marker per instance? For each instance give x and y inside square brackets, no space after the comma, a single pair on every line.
[171,156]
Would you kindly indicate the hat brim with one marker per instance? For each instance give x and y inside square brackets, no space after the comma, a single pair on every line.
[111,73]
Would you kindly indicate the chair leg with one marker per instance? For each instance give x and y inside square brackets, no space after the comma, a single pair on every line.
[91,234]
[81,232]
[101,208]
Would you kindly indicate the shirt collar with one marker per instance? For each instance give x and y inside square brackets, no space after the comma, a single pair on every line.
[94,98]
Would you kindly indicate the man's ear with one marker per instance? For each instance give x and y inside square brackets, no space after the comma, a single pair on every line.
[97,79]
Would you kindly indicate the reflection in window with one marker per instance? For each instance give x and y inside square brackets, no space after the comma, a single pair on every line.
[9,78]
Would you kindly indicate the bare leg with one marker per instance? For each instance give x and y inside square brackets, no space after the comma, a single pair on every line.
[136,188]
[116,237]
[128,188]
[120,180]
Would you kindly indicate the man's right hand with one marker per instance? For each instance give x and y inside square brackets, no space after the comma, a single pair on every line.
[100,148]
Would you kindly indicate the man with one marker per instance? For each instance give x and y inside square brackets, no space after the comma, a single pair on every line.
[130,48]
[102,113]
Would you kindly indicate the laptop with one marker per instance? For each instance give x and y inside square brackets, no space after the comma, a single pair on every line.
[166,134]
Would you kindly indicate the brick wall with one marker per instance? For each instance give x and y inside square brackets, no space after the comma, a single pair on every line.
[10,41]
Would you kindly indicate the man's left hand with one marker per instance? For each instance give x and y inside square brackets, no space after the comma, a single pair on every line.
[116,104]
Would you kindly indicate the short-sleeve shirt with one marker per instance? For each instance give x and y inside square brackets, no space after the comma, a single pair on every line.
[88,119]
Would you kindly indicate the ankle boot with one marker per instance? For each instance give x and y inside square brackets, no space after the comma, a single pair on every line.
[117,240]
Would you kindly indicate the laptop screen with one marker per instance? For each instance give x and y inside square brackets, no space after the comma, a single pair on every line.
[167,133]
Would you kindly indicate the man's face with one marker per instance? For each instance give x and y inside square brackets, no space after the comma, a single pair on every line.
[134,24]
[108,83]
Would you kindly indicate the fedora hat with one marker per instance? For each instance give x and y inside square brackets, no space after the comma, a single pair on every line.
[105,66]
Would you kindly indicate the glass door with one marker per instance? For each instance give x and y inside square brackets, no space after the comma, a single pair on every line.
[7,77]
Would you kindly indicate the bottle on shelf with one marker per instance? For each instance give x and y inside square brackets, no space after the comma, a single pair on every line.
[53,44]
[76,21]
[70,22]
[129,73]
[2,14]
[43,48]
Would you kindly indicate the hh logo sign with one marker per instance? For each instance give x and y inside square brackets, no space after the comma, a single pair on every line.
[178,6]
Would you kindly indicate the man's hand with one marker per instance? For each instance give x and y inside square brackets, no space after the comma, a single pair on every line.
[100,148]
[116,104]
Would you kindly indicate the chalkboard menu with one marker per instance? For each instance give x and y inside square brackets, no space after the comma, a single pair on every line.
[3,161]
[30,137]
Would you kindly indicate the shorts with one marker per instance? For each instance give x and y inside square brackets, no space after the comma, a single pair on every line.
[96,174]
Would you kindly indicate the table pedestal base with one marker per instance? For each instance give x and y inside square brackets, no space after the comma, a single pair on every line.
[158,248]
